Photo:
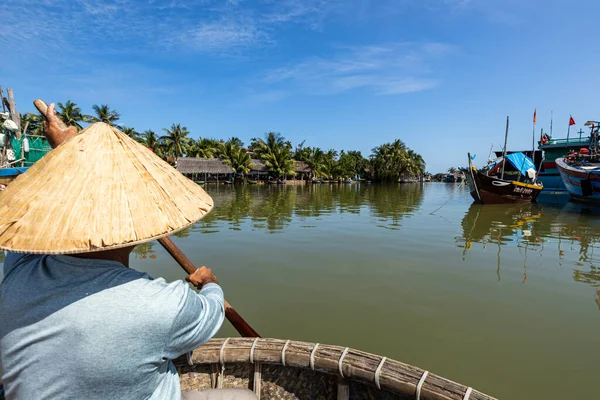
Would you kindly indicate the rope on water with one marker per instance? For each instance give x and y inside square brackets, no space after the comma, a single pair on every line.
[447,201]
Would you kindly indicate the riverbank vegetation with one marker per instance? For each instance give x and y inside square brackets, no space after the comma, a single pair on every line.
[387,162]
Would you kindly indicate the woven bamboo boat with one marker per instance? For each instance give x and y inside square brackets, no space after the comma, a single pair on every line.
[280,369]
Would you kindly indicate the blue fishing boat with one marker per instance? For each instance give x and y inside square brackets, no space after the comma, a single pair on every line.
[7,175]
[581,176]
[580,170]
[552,149]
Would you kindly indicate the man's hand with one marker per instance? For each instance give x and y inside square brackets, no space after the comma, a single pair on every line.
[201,277]
[56,130]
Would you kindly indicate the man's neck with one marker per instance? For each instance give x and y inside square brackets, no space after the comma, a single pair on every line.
[119,255]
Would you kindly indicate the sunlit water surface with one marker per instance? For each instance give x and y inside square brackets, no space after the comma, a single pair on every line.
[501,298]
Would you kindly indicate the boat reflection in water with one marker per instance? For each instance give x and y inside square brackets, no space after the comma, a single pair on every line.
[567,235]
[500,225]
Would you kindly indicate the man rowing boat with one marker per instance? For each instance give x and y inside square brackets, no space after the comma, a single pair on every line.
[76,322]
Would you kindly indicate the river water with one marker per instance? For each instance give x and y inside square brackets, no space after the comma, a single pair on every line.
[502,298]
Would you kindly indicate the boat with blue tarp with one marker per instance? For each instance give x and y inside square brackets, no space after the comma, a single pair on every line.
[509,179]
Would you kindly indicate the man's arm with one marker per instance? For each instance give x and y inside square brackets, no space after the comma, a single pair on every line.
[199,315]
[56,130]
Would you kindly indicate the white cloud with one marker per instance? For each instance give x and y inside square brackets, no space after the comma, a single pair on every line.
[223,35]
[392,69]
[80,26]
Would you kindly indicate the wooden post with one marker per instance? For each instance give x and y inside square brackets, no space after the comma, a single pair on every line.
[504,153]
[22,154]
[13,109]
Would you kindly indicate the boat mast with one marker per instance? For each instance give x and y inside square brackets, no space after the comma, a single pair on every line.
[533,134]
[490,155]
[504,152]
[532,146]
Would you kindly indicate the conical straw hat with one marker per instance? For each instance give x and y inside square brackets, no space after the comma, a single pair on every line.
[99,190]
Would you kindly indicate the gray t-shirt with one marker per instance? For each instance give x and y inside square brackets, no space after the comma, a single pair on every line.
[74,328]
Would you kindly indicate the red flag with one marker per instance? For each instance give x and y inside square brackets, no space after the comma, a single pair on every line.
[535,116]
[571,121]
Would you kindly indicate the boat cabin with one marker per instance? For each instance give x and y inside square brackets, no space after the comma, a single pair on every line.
[516,166]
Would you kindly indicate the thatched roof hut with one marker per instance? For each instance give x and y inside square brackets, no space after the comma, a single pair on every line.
[187,165]
[217,166]
[301,167]
[258,166]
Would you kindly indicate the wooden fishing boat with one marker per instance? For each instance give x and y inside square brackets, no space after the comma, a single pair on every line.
[280,369]
[488,186]
[581,176]
[580,170]
[553,148]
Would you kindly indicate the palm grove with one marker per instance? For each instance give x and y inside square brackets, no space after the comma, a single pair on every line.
[387,162]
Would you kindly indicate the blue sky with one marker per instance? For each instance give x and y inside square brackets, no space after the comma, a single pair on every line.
[442,75]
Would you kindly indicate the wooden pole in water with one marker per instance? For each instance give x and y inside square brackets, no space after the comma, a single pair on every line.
[504,152]
[236,319]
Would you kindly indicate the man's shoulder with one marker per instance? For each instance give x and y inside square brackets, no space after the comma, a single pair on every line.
[86,274]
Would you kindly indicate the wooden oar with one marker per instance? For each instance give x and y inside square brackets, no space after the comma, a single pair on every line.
[236,319]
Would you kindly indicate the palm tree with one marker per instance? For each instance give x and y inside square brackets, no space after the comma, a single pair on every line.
[151,140]
[315,159]
[71,114]
[416,164]
[34,123]
[330,164]
[204,148]
[360,163]
[236,141]
[389,161]
[276,152]
[131,133]
[236,157]
[302,153]
[176,141]
[105,114]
